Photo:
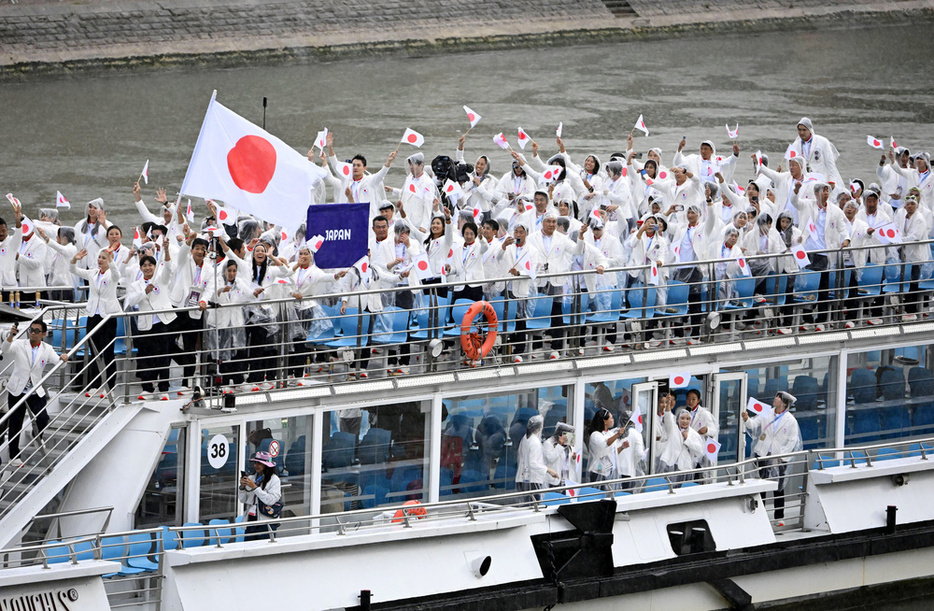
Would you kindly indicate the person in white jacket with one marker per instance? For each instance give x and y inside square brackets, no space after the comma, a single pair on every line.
[258,492]
[559,456]
[531,470]
[704,422]
[361,187]
[914,227]
[775,436]
[630,455]
[30,262]
[29,357]
[602,448]
[467,265]
[9,249]
[684,447]
[821,155]
[102,301]
[151,293]
[60,252]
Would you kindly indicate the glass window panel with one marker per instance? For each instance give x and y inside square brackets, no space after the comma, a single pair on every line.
[481,435]
[162,500]
[218,491]
[288,441]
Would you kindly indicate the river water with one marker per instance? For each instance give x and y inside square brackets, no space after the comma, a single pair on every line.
[89,135]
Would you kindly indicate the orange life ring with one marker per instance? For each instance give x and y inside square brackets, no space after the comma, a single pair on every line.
[409,508]
[473,346]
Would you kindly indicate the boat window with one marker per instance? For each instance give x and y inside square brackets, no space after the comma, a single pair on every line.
[813,383]
[375,456]
[481,436]
[691,537]
[616,397]
[219,473]
[288,442]
[161,504]
[890,394]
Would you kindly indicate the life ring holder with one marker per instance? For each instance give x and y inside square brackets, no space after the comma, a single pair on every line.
[473,346]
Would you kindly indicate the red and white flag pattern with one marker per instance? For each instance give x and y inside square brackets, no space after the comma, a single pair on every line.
[344,169]
[413,137]
[800,255]
[560,129]
[61,202]
[145,172]
[854,187]
[654,274]
[137,238]
[743,266]
[524,138]
[712,448]
[888,234]
[552,173]
[636,419]
[321,139]
[791,153]
[525,267]
[595,214]
[754,406]
[501,141]
[15,202]
[452,189]
[758,158]
[732,134]
[189,213]
[422,266]
[227,216]
[315,243]
[875,143]
[679,379]
[640,125]
[28,225]
[892,142]
[363,266]
[472,116]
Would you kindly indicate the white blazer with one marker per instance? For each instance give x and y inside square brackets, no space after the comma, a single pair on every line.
[102,289]
[25,367]
[158,299]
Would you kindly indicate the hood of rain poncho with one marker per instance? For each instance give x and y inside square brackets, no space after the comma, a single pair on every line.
[788,233]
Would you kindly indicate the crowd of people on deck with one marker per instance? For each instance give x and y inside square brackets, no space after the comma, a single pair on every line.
[532,229]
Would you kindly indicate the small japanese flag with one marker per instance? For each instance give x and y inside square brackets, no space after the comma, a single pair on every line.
[732,134]
[560,129]
[315,243]
[413,137]
[28,225]
[15,202]
[812,228]
[189,213]
[892,142]
[754,406]
[528,205]
[758,158]
[473,117]
[145,172]
[636,419]
[740,190]
[712,448]
[524,265]
[743,266]
[854,187]
[422,266]
[501,141]
[321,140]
[363,266]
[595,214]
[524,138]
[680,379]
[284,235]
[640,125]
[227,216]
[654,275]
[888,234]
[875,143]
[137,238]
[477,213]
[345,170]
[801,257]
[452,189]
[791,153]
[61,202]
[662,175]
[552,173]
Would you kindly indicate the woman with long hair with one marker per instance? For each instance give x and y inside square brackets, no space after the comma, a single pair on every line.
[601,444]
[259,491]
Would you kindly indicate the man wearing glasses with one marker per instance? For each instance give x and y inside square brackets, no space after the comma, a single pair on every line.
[30,356]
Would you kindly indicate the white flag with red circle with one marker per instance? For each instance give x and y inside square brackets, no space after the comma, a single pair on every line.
[754,406]
[636,419]
[61,202]
[595,213]
[523,139]
[791,153]
[363,267]
[422,266]
[552,173]
[524,265]
[501,141]
[800,256]
[321,139]
[640,125]
[413,137]
[15,202]
[875,143]
[739,190]
[137,238]
[892,142]
[452,189]
[758,158]
[854,187]
[28,225]
[654,274]
[679,379]
[227,216]
[472,116]
[732,134]
[743,266]
[189,213]
[248,168]
[315,243]
[888,234]
[345,170]
[560,129]
[712,448]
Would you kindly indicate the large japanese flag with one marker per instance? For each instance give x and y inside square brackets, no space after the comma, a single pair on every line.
[250,169]
[758,407]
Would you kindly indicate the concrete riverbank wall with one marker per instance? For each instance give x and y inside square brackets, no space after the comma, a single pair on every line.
[40,36]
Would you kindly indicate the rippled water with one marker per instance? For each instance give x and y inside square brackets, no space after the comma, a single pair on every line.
[89,135]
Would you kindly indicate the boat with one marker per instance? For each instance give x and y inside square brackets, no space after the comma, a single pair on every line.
[399,490]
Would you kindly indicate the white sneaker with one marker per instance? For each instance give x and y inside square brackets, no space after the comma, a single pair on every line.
[807,327]
[92,392]
[910,317]
[821,327]
[16,463]
[163,398]
[517,359]
[874,321]
[785,331]
[142,396]
[267,385]
[184,390]
[608,347]
[553,355]
[850,324]
[402,370]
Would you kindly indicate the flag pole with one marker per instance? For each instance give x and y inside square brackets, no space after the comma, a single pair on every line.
[264,112]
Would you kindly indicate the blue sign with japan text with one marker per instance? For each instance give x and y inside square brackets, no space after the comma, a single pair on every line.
[345,232]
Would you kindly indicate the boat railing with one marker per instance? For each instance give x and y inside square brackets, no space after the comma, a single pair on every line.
[285,343]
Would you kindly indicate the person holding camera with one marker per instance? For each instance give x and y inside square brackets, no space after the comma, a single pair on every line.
[261,492]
